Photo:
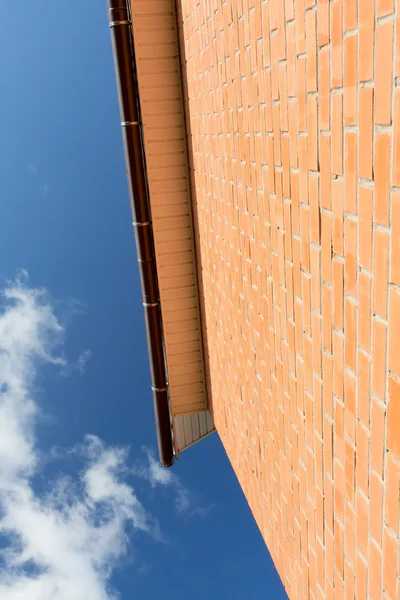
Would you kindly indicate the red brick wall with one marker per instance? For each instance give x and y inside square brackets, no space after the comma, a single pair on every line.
[294,126]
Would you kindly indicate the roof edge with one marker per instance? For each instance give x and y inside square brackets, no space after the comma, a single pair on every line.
[129,104]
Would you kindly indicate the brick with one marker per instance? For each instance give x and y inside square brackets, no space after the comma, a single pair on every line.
[350,530]
[303,172]
[364,311]
[349,15]
[316,352]
[338,226]
[365,227]
[362,447]
[362,524]
[327,391]
[305,237]
[375,571]
[339,555]
[283,104]
[339,583]
[396,138]
[382,178]
[392,493]
[274,67]
[312,123]
[350,408]
[318,425]
[311,49]
[349,579]
[288,232]
[302,580]
[268,100]
[366,96]
[320,565]
[271,171]
[350,332]
[350,77]
[393,418]
[323,22]
[308,401]
[390,563]
[364,387]
[379,336]
[306,294]
[337,134]
[289,10]
[293,141]
[361,578]
[336,23]
[291,57]
[338,294]
[301,94]
[281,32]
[312,567]
[384,7]
[325,172]
[328,464]
[296,267]
[376,507]
[377,437]
[338,366]
[381,258]
[294,189]
[397,45]
[324,87]
[394,331]
[384,72]
[300,28]
[277,137]
[367,26]
[329,545]
[326,247]
[315,234]
[350,257]
[257,22]
[350,181]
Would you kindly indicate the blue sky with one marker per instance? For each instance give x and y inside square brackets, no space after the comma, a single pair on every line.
[65,218]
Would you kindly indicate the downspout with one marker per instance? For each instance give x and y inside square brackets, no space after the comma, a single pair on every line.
[128,93]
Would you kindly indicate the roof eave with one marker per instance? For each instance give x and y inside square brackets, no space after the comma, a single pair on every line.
[128,94]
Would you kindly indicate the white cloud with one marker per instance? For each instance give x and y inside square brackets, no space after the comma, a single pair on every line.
[45,188]
[83,360]
[160,476]
[186,504]
[32,169]
[61,545]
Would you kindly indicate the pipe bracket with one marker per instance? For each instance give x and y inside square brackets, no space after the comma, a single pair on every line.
[117,23]
[135,224]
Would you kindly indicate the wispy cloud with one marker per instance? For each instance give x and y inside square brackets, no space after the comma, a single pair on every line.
[83,360]
[32,169]
[79,365]
[61,545]
[45,188]
[186,503]
[144,569]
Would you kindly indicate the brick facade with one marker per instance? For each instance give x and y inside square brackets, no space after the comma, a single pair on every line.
[293,119]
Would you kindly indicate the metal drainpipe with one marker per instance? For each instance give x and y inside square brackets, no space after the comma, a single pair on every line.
[128,93]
